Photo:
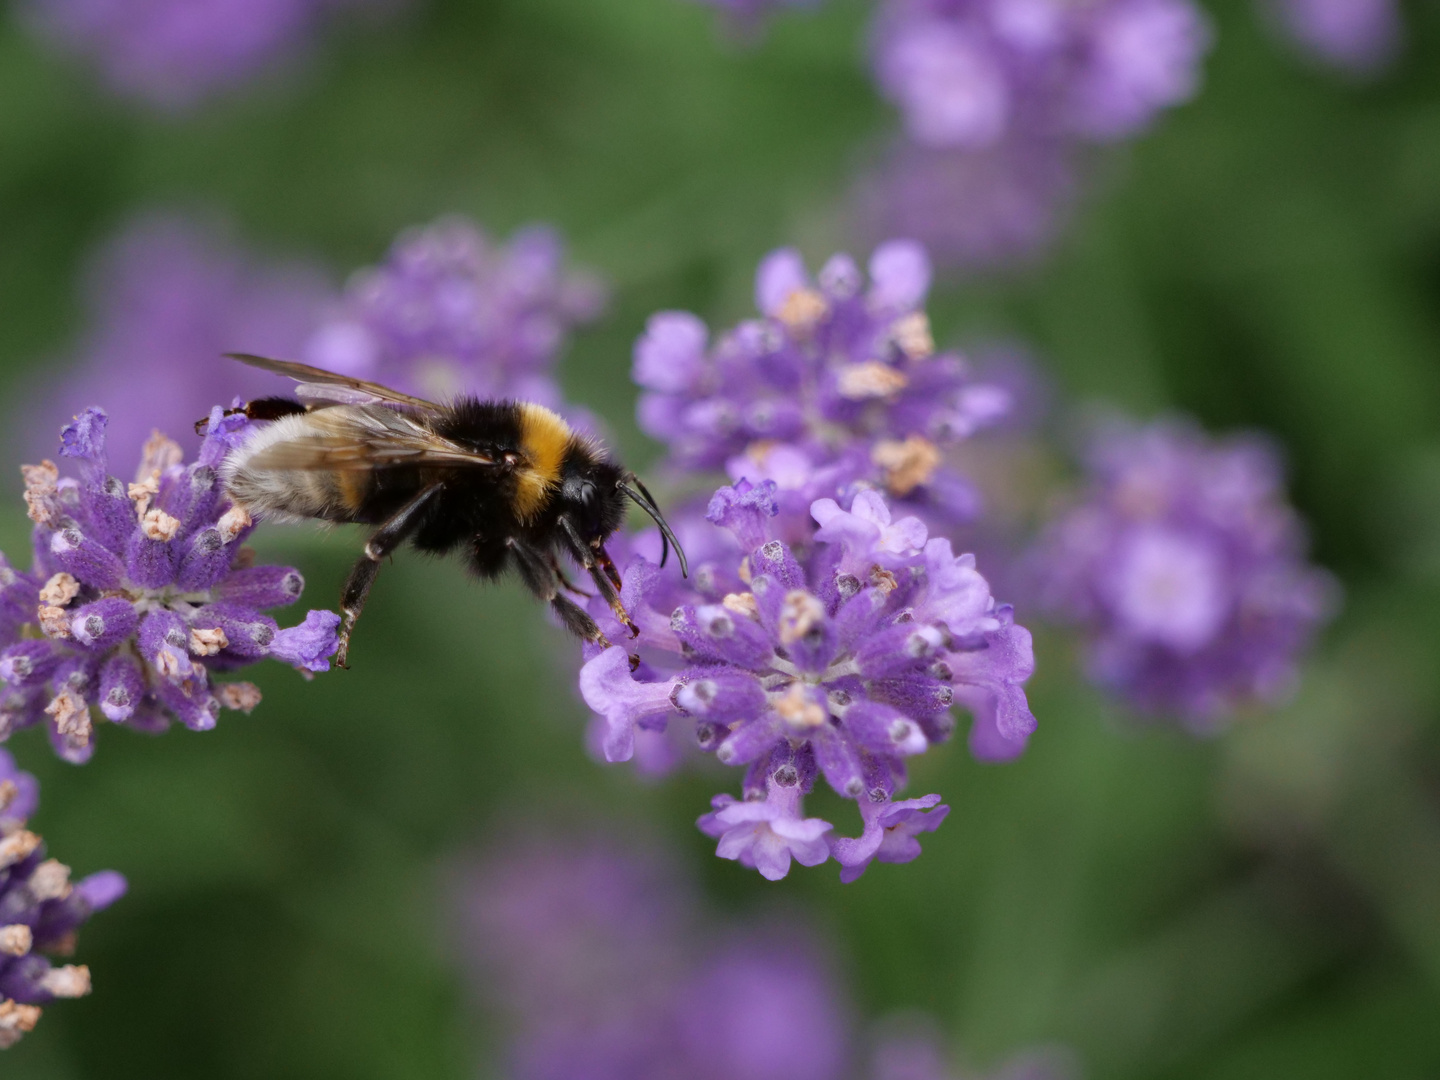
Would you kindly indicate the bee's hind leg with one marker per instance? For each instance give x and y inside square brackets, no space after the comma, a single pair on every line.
[390,535]
[267,408]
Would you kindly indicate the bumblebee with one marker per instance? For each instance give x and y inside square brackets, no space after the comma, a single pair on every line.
[506,482]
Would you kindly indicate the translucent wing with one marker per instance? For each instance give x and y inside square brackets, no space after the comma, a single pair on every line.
[317,384]
[366,437]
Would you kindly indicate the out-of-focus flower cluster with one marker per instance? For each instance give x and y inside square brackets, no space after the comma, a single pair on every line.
[837,387]
[164,300]
[1356,37]
[40,912]
[138,593]
[452,310]
[840,656]
[998,97]
[174,54]
[1186,570]
[600,963]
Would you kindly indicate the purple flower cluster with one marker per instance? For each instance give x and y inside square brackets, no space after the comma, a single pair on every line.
[1355,37]
[165,299]
[999,96]
[139,592]
[174,54]
[40,912]
[971,72]
[841,656]
[837,387]
[974,207]
[918,1055]
[1186,568]
[603,966]
[452,310]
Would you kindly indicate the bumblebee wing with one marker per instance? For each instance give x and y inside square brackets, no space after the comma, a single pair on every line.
[317,384]
[355,439]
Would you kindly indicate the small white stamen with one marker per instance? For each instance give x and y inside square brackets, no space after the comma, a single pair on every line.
[912,334]
[17,846]
[798,709]
[72,718]
[802,311]
[158,525]
[54,621]
[871,379]
[70,981]
[50,881]
[233,522]
[907,464]
[742,603]
[241,696]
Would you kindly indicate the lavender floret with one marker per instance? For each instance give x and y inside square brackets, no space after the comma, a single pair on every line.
[40,912]
[1185,568]
[838,387]
[451,309]
[1359,38]
[840,656]
[972,74]
[134,622]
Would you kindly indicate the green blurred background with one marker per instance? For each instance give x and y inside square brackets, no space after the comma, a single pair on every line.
[1264,904]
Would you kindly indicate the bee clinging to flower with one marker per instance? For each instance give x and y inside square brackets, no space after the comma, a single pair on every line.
[509,483]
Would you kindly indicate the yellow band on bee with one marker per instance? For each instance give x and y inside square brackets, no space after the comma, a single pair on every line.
[544,437]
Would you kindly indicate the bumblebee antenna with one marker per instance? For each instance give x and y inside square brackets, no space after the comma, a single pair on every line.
[667,536]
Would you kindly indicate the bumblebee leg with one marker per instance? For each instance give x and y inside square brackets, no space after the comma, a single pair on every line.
[601,571]
[560,575]
[540,578]
[390,535]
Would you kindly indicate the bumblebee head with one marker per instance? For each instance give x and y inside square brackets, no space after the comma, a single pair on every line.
[591,498]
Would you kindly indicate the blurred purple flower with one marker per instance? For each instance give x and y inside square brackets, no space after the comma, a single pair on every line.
[836,388]
[138,593]
[174,54]
[40,911]
[841,655]
[1356,37]
[452,310]
[166,298]
[914,1051]
[603,965]
[974,208]
[969,73]
[1186,569]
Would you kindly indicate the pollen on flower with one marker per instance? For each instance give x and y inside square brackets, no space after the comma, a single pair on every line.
[71,716]
[798,709]
[159,454]
[16,939]
[912,335]
[17,846]
[50,881]
[802,311]
[54,621]
[233,522]
[871,379]
[742,604]
[70,981]
[59,590]
[158,525]
[800,615]
[16,1020]
[142,491]
[40,492]
[907,463]
[241,696]
[9,792]
[208,642]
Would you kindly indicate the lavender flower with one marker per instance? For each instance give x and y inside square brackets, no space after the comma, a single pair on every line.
[40,911]
[1355,37]
[603,965]
[174,54]
[451,310]
[917,1054]
[837,388]
[138,593]
[974,208]
[968,73]
[745,18]
[841,657]
[165,299]
[1186,570]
